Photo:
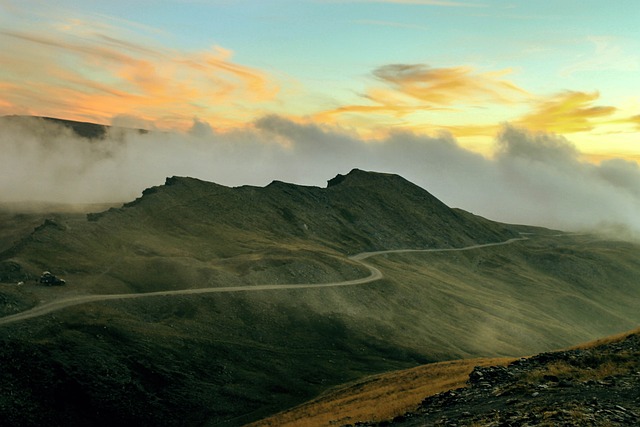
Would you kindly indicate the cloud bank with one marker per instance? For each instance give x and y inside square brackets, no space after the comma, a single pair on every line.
[533,178]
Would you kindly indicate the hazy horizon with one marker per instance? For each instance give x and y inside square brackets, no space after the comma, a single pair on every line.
[532,178]
[520,112]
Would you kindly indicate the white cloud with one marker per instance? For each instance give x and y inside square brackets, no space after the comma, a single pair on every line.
[606,56]
[534,178]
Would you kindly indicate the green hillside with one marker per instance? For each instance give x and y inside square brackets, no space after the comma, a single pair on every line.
[232,358]
[191,233]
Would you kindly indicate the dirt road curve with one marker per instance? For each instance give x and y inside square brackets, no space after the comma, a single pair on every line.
[374,275]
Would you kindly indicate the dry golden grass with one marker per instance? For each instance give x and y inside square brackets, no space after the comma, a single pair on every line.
[379,397]
[382,397]
[562,369]
[606,340]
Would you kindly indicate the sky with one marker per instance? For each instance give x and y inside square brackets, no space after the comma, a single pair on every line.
[370,67]
[519,111]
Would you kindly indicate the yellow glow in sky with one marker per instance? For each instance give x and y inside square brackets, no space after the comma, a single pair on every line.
[370,67]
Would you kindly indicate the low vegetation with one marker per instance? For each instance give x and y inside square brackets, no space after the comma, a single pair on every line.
[379,397]
[602,359]
[382,398]
[234,358]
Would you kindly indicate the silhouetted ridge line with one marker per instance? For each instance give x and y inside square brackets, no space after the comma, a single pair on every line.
[82,129]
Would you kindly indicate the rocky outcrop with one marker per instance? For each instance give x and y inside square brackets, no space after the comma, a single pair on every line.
[582,387]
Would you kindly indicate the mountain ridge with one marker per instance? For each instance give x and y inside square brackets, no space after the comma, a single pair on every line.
[229,358]
[209,234]
[87,130]
[345,200]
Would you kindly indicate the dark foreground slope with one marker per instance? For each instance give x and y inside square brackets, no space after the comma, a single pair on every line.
[591,386]
[594,384]
[231,358]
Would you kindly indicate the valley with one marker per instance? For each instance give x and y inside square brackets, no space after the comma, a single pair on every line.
[199,304]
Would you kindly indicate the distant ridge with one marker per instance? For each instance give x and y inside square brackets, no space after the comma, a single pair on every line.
[360,211]
[82,129]
[355,212]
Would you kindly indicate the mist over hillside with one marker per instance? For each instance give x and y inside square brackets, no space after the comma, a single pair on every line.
[202,304]
[533,178]
[193,231]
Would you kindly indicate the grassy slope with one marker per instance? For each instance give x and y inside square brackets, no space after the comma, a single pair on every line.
[379,397]
[216,357]
[190,233]
[207,358]
[386,396]
[232,358]
[533,295]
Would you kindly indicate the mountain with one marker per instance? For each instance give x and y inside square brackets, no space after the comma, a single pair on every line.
[91,131]
[208,234]
[199,304]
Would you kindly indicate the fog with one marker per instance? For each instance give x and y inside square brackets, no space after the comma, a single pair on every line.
[532,178]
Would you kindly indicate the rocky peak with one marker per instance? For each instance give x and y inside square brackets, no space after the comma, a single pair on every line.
[358,177]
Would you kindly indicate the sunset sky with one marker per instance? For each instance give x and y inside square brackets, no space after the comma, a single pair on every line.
[366,67]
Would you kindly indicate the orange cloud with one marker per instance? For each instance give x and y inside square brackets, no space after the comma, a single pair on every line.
[82,75]
[567,112]
[417,88]
[634,120]
[385,109]
[447,86]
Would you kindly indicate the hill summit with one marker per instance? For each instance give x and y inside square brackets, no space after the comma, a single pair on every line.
[189,230]
[355,212]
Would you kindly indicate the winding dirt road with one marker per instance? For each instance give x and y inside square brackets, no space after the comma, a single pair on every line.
[374,275]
